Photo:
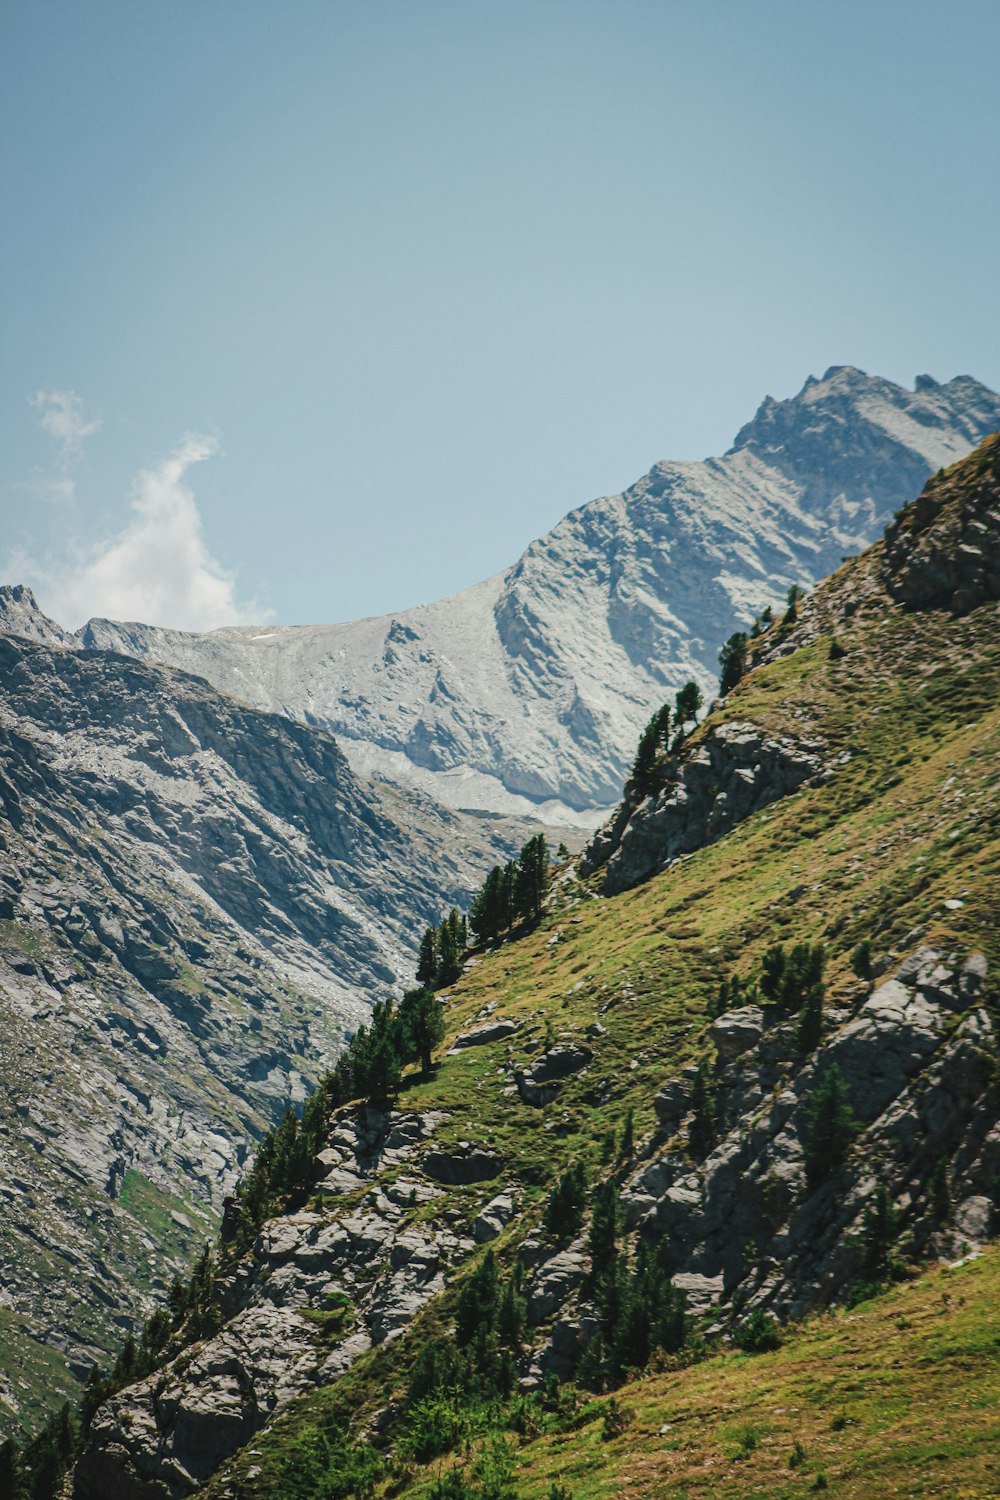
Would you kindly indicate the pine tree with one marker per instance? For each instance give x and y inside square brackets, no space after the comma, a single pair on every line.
[512,1315]
[687,704]
[861,960]
[449,963]
[652,744]
[421,1025]
[734,660]
[939,1191]
[830,1127]
[878,1231]
[810,1027]
[12,1480]
[604,1223]
[564,1210]
[427,964]
[795,593]
[478,1302]
[701,1131]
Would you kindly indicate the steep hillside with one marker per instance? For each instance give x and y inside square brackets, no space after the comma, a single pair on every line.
[760,1083]
[197,901]
[527,692]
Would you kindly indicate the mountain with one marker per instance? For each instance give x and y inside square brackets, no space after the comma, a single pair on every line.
[750,1079]
[527,692]
[198,900]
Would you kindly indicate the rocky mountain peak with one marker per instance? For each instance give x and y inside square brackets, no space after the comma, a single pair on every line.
[21,615]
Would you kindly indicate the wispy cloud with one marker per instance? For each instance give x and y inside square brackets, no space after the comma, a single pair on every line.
[62,416]
[157,570]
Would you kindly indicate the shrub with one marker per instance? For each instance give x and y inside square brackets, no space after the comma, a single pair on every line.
[758,1333]
[616,1420]
[861,960]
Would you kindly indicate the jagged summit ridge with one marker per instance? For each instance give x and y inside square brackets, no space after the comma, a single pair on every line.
[526,692]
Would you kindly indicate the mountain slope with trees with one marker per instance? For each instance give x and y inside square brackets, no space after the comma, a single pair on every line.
[198,901]
[664,1127]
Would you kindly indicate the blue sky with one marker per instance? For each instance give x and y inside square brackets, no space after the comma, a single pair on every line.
[316,309]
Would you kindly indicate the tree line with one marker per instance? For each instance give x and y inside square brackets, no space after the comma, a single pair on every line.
[654,742]
[511,894]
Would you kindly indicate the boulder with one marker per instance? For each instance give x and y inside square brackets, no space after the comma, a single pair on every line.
[535,1094]
[671,1103]
[493,1218]
[560,1062]
[461,1166]
[489,1031]
[737,1031]
[553,1282]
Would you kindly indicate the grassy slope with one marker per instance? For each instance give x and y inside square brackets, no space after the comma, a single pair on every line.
[908,822]
[901,1396]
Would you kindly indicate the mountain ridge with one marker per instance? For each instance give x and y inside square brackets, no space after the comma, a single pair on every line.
[526,692]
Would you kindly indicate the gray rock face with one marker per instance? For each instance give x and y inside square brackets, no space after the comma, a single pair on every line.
[916,1061]
[535,684]
[197,902]
[554,1280]
[493,1218]
[940,554]
[165,1435]
[560,1061]
[734,772]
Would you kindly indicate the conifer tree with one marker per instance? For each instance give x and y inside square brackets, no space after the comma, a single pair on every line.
[810,1027]
[734,660]
[687,704]
[421,1023]
[427,964]
[701,1132]
[830,1127]
[879,1223]
[652,744]
[604,1223]
[12,1478]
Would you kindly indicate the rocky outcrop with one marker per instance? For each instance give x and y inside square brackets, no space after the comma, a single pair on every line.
[943,549]
[538,1084]
[918,1061]
[732,772]
[487,1031]
[462,1166]
[744,1225]
[320,1289]
[736,1032]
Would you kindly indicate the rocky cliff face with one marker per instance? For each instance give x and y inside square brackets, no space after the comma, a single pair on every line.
[528,691]
[197,901]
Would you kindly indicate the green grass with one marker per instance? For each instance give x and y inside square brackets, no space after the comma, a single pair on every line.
[879,1408]
[152,1207]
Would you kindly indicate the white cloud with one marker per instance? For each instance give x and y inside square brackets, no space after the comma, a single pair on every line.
[62,418]
[157,570]
[61,415]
